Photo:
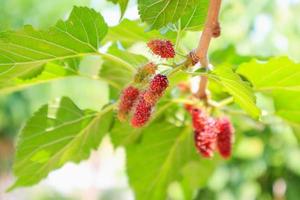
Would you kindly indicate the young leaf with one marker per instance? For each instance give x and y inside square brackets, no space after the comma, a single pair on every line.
[240,90]
[24,50]
[155,161]
[160,13]
[122,4]
[279,77]
[56,135]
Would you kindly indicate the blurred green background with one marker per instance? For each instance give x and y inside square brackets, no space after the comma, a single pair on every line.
[266,160]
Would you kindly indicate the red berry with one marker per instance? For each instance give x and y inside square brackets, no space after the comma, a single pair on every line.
[151,97]
[156,89]
[162,48]
[224,138]
[159,83]
[142,113]
[127,99]
[205,139]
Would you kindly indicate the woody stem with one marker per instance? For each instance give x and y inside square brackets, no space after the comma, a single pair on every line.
[211,24]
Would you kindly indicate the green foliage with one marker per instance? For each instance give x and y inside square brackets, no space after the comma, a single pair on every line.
[240,90]
[161,13]
[50,72]
[55,134]
[278,77]
[162,153]
[194,18]
[156,161]
[129,32]
[121,70]
[28,48]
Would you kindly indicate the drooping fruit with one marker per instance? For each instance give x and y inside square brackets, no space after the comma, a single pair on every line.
[205,139]
[225,136]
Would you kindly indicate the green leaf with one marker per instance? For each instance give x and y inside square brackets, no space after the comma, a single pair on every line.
[129,32]
[196,174]
[155,161]
[51,72]
[123,5]
[277,73]
[26,49]
[160,13]
[239,89]
[120,67]
[194,18]
[279,77]
[55,135]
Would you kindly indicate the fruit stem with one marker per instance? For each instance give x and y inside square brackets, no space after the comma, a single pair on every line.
[201,51]
[220,104]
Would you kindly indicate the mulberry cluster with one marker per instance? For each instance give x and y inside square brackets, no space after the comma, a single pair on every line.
[210,133]
[142,103]
[148,99]
[162,48]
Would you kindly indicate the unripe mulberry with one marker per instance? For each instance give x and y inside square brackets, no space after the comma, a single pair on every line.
[224,138]
[162,48]
[142,113]
[205,139]
[127,99]
[145,72]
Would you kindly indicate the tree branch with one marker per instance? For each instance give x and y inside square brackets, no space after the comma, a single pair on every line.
[211,29]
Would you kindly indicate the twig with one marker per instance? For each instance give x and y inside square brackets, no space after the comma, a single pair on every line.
[211,29]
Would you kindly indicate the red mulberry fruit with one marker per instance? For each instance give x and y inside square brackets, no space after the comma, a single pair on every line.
[159,83]
[205,140]
[199,118]
[127,99]
[156,89]
[151,97]
[142,113]
[162,48]
[224,138]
